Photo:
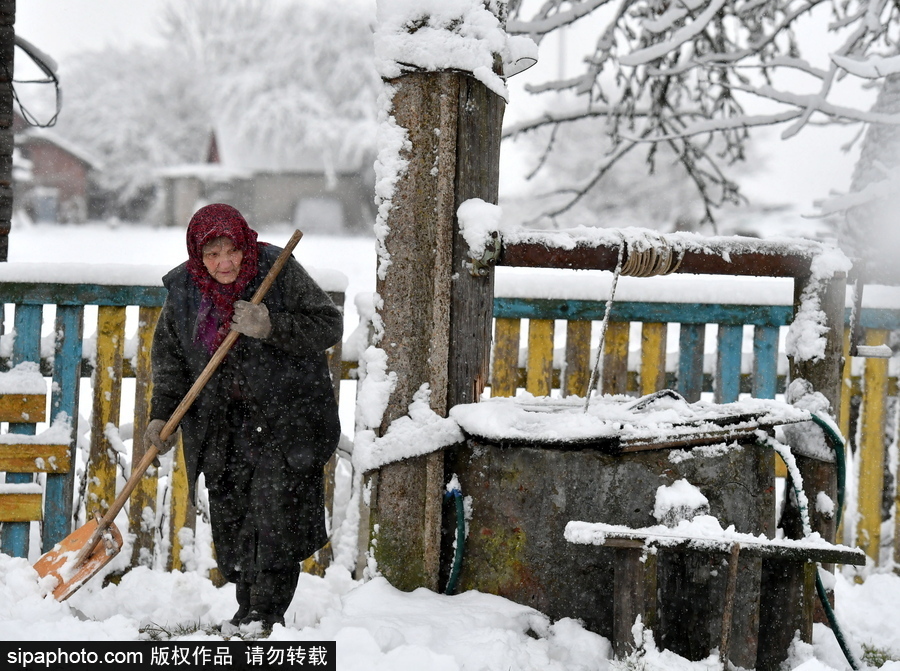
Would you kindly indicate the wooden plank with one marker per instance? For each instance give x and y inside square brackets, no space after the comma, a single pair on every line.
[728,608]
[505,365]
[143,499]
[49,293]
[615,358]
[14,536]
[23,408]
[728,364]
[653,357]
[871,457]
[102,467]
[691,343]
[786,599]
[19,509]
[797,551]
[63,401]
[539,367]
[479,116]
[578,359]
[647,311]
[33,458]
[765,362]
[877,318]
[634,595]
[641,311]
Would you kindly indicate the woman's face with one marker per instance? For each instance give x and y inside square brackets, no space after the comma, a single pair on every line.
[222,260]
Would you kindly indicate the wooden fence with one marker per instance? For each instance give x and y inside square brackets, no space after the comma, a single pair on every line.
[67,355]
[67,359]
[530,357]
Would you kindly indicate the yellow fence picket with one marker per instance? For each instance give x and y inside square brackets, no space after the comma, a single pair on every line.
[578,358]
[871,453]
[615,358]
[21,507]
[653,357]
[101,487]
[539,370]
[182,514]
[505,365]
[143,500]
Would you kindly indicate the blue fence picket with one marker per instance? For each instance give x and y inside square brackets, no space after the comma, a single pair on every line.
[765,362]
[728,363]
[691,344]
[14,536]
[64,399]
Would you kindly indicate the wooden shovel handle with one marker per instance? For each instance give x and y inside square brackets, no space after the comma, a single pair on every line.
[138,471]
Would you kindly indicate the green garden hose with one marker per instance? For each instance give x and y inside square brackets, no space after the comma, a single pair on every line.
[837,444]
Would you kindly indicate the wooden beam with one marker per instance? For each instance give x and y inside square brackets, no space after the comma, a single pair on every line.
[793,550]
[768,263]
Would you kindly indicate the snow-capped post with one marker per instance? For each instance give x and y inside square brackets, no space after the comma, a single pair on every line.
[815,353]
[439,143]
[7,55]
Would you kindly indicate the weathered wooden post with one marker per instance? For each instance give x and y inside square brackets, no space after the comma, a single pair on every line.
[434,315]
[789,600]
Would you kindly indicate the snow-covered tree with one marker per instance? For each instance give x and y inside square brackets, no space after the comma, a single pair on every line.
[279,75]
[697,75]
[137,110]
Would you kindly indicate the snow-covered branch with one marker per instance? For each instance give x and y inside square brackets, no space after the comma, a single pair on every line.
[660,73]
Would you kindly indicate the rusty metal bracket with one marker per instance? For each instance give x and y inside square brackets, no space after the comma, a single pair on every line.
[481,267]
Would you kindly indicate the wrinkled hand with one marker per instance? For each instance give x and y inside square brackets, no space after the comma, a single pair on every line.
[252,320]
[151,435]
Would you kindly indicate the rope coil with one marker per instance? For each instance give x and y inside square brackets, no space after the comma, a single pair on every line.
[660,258]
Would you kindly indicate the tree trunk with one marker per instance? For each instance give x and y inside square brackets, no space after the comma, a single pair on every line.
[7,53]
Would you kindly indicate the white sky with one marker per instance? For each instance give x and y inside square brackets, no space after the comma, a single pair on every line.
[808,167]
[61,28]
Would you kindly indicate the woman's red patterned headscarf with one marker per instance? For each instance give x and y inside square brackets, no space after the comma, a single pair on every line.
[207,224]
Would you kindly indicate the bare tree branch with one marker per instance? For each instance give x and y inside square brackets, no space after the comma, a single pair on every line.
[680,72]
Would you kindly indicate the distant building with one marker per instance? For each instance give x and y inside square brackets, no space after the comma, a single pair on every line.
[52,177]
[268,189]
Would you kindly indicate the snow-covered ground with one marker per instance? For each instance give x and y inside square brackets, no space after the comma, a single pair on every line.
[375,626]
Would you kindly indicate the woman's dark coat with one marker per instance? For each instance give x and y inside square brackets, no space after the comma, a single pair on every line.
[286,375]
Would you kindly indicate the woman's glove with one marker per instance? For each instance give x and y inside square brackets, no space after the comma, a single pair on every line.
[251,319]
[151,435]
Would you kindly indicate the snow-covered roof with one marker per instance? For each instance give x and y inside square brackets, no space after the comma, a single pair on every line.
[205,171]
[44,135]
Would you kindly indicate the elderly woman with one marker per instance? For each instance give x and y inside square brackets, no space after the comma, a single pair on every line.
[264,426]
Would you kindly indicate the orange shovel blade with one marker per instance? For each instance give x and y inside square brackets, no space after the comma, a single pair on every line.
[59,561]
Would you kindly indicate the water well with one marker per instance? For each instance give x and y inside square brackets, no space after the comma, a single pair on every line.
[532,466]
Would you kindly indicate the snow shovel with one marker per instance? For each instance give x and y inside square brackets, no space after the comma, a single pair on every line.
[81,554]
